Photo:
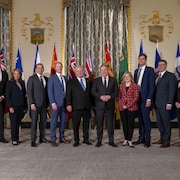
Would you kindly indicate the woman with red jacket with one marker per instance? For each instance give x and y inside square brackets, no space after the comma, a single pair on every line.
[128,98]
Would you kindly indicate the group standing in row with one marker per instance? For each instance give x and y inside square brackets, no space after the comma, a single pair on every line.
[135,96]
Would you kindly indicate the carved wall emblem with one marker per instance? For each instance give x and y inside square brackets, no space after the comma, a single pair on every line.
[156,26]
[37,29]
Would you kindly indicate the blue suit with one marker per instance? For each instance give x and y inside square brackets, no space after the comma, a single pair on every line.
[146,92]
[56,94]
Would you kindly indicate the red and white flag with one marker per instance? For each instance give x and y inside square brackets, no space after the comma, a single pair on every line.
[2,60]
[72,66]
[89,66]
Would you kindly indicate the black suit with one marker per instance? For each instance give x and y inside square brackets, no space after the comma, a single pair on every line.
[16,98]
[164,94]
[37,95]
[178,100]
[80,101]
[105,108]
[2,103]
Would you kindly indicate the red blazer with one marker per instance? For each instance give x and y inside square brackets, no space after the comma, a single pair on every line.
[129,98]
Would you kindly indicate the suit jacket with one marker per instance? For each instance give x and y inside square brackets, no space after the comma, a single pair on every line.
[98,89]
[56,93]
[178,93]
[37,94]
[16,96]
[147,84]
[165,90]
[3,83]
[76,96]
[128,98]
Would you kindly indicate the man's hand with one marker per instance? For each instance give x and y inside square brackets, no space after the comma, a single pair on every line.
[69,108]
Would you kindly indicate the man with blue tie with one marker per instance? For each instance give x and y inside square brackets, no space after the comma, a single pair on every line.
[145,78]
[78,101]
[56,93]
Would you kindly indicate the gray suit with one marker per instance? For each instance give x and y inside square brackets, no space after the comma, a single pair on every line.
[102,108]
[164,94]
[37,95]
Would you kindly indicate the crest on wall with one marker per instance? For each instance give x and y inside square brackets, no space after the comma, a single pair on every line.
[156,26]
[36,29]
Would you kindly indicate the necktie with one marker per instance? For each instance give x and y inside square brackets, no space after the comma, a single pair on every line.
[41,81]
[82,84]
[105,82]
[158,79]
[138,74]
[61,78]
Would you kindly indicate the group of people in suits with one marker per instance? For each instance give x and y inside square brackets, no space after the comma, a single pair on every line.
[158,90]
[134,95]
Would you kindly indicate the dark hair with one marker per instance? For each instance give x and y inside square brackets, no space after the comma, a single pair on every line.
[18,72]
[162,60]
[143,55]
[40,64]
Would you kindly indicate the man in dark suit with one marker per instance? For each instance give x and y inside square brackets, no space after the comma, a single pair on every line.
[105,90]
[56,93]
[38,100]
[3,81]
[78,101]
[144,76]
[164,100]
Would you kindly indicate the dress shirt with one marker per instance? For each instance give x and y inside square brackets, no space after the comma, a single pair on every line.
[62,80]
[41,76]
[84,81]
[141,75]
[107,80]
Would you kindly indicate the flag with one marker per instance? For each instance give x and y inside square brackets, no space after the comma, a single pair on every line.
[54,61]
[19,62]
[3,63]
[141,48]
[123,65]
[177,63]
[37,58]
[89,66]
[107,60]
[72,66]
[157,58]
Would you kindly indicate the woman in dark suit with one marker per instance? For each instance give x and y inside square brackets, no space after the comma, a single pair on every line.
[17,103]
[128,98]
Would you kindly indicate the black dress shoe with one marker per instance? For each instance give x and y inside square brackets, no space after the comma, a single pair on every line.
[98,144]
[76,144]
[87,142]
[113,144]
[4,141]
[147,144]
[43,140]
[138,142]
[33,144]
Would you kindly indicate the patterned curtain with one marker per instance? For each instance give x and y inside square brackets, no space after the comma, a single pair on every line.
[92,23]
[5,34]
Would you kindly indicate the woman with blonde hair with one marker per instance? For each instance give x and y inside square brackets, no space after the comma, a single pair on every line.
[128,98]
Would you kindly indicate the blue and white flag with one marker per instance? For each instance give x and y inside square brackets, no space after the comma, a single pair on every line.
[37,58]
[157,58]
[141,48]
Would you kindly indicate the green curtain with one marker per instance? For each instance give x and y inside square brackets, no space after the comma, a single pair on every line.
[92,23]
